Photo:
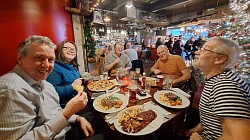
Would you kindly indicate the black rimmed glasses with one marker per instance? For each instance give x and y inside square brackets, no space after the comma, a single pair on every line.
[70,49]
[203,50]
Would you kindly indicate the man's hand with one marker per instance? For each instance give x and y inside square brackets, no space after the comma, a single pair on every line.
[117,61]
[157,71]
[195,136]
[75,104]
[86,126]
[197,128]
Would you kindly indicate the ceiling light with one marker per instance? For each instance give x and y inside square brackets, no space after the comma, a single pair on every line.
[129,4]
[106,18]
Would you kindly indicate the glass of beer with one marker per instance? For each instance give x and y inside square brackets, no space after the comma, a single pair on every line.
[132,93]
[160,79]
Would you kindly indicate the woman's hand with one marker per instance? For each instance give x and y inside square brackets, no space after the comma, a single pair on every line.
[77,82]
[86,126]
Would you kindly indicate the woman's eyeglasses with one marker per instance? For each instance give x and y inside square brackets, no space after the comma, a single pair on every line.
[69,49]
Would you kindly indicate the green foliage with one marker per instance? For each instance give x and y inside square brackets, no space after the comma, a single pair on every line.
[90,43]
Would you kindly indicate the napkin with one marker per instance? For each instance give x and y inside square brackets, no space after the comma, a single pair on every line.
[114,81]
[96,94]
[110,118]
[143,97]
[113,90]
[181,92]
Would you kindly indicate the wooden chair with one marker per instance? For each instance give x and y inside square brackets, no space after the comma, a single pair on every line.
[101,65]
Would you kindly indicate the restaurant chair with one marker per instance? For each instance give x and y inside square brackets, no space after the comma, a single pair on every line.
[137,64]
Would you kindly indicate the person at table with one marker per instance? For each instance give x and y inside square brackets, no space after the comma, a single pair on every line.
[132,53]
[188,48]
[169,64]
[65,73]
[225,102]
[117,59]
[30,105]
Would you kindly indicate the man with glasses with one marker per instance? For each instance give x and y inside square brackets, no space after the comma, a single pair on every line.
[225,102]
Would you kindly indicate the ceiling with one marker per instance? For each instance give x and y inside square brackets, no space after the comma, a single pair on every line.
[167,8]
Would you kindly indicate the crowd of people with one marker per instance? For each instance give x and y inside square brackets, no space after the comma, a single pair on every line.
[38,99]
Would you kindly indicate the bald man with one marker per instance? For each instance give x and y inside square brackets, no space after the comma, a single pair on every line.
[172,65]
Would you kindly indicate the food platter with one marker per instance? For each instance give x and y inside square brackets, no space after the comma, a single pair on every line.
[163,100]
[100,85]
[97,102]
[149,128]
[151,80]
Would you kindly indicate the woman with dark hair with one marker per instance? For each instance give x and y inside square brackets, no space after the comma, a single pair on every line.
[65,73]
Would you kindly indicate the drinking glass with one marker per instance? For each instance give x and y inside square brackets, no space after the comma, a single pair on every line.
[137,72]
[105,75]
[148,86]
[132,93]
[159,81]
[168,82]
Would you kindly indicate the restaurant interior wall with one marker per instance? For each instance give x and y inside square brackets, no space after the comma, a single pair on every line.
[22,18]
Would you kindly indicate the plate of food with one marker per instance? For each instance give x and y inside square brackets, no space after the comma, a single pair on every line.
[100,85]
[110,103]
[138,120]
[151,80]
[171,99]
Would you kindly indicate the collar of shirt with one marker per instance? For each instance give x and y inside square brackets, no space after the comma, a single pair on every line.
[28,78]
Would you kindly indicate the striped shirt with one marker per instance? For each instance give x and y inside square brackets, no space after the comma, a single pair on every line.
[29,110]
[224,96]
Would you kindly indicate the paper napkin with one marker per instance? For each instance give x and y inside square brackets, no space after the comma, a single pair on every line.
[181,92]
[143,97]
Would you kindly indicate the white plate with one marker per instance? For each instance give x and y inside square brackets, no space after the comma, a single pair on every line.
[185,101]
[150,78]
[151,127]
[111,110]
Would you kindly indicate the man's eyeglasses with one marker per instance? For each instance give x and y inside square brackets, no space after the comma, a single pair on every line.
[203,50]
[69,49]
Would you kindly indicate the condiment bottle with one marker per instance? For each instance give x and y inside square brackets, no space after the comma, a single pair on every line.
[143,80]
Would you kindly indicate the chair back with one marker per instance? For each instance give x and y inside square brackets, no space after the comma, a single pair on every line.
[137,64]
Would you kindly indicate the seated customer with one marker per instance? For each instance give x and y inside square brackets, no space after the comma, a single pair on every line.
[169,64]
[117,59]
[224,105]
[65,73]
[30,105]
[132,53]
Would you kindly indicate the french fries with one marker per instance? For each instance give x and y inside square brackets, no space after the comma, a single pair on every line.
[128,113]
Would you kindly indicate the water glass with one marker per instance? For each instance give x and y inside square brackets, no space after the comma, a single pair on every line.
[105,75]
[137,71]
[148,86]
[168,82]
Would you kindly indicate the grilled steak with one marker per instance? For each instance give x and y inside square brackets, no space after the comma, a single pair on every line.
[137,123]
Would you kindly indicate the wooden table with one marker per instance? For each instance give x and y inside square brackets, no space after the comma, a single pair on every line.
[175,119]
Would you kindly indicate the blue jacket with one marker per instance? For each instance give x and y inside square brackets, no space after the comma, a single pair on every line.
[61,78]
